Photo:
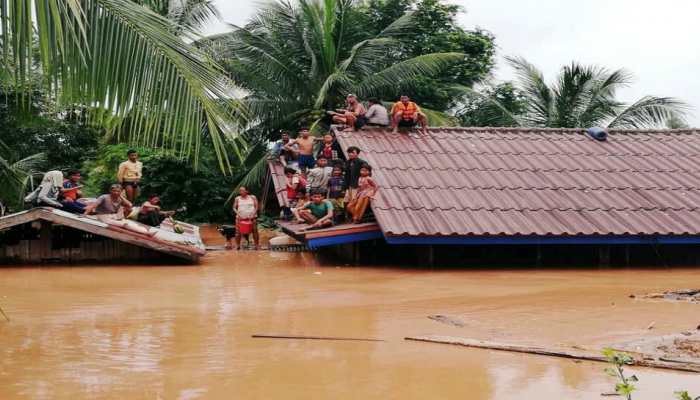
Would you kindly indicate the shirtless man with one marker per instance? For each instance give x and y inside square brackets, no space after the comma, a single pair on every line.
[306,149]
[353,116]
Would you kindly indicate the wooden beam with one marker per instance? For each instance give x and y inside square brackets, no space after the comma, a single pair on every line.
[638,360]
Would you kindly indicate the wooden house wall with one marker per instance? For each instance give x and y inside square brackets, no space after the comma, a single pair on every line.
[37,243]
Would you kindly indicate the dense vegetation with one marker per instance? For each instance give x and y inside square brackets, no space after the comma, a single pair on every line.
[98,76]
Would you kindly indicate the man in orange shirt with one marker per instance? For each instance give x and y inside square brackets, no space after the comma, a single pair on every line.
[406,114]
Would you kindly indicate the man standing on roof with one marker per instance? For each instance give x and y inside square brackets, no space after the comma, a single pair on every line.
[306,149]
[129,175]
[406,114]
[352,172]
[353,116]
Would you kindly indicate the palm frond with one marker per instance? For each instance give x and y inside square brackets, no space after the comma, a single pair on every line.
[403,75]
[540,96]
[124,62]
[650,112]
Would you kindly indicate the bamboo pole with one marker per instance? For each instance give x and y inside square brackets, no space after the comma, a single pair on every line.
[640,361]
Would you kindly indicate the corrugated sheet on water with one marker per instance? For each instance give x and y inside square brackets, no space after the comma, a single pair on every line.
[517,181]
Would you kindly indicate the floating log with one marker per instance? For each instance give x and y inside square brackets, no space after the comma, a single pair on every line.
[639,361]
[315,338]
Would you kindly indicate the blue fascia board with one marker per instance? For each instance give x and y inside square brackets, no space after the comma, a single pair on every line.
[544,240]
[342,239]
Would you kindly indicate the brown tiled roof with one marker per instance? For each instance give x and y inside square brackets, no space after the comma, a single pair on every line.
[517,181]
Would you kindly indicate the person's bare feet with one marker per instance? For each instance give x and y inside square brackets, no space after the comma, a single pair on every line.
[395,131]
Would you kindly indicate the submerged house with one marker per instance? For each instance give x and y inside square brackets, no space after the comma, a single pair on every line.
[531,187]
[43,234]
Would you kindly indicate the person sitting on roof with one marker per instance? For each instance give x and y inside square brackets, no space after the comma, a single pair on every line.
[406,114]
[318,212]
[295,184]
[305,143]
[70,193]
[285,156]
[112,208]
[336,193]
[317,177]
[377,115]
[151,214]
[330,149]
[48,191]
[352,172]
[245,206]
[366,189]
[353,117]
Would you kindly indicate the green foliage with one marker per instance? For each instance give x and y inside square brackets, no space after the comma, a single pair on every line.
[435,31]
[296,59]
[203,192]
[492,106]
[64,140]
[134,69]
[624,386]
[683,395]
[585,96]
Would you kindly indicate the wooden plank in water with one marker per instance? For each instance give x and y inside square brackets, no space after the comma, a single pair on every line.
[314,338]
[640,361]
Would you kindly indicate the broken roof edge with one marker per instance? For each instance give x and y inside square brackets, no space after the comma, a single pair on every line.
[184,251]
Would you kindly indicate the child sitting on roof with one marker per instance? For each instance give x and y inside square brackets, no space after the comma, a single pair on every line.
[318,176]
[336,193]
[318,212]
[296,189]
[330,149]
[366,189]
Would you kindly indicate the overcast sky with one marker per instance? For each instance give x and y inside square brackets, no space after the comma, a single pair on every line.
[657,41]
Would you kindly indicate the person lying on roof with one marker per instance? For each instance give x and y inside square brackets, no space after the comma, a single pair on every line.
[318,212]
[353,116]
[151,214]
[70,193]
[407,114]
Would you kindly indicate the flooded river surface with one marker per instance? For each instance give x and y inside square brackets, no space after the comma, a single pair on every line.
[185,332]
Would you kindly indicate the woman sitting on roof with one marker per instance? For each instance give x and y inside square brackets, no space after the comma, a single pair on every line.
[366,189]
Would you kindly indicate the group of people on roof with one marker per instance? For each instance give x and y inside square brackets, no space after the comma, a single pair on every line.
[116,207]
[403,114]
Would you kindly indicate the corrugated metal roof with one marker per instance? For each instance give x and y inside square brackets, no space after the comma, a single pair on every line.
[522,181]
[279,181]
[186,245]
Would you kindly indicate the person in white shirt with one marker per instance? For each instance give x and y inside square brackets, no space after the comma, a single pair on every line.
[376,114]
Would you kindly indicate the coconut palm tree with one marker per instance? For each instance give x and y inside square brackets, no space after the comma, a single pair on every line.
[15,176]
[585,96]
[130,67]
[297,58]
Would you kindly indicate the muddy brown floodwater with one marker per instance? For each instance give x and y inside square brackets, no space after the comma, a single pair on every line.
[185,332]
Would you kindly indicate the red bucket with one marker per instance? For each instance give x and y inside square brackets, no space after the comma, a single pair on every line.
[245,226]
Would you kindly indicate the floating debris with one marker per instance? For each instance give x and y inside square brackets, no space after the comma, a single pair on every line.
[688,295]
[447,320]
